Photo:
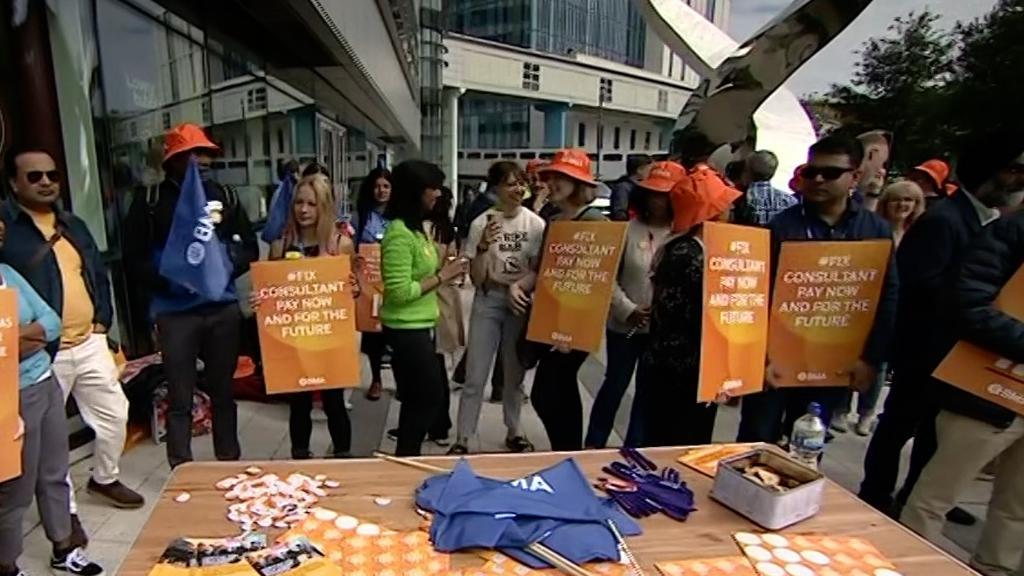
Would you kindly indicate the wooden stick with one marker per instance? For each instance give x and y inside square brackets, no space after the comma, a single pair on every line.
[411,463]
[541,551]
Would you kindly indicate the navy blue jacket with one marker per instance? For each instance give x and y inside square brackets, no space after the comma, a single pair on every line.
[987,266]
[800,223]
[31,254]
[929,259]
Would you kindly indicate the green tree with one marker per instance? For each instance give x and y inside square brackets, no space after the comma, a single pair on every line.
[902,84]
[988,88]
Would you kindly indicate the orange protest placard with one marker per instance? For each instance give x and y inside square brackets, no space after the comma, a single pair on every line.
[823,308]
[10,449]
[574,285]
[734,333]
[371,284]
[986,374]
[306,324]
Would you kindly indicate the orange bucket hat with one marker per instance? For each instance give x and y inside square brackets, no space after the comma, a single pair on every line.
[185,137]
[663,176]
[937,170]
[573,163]
[699,197]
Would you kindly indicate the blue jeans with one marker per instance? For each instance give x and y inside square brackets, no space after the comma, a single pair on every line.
[623,354]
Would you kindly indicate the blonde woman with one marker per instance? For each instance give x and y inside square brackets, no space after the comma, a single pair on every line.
[901,205]
[312,231]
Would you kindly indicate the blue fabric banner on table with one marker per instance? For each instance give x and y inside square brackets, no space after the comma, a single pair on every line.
[555,506]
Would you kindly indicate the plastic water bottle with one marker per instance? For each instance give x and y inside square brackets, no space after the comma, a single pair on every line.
[807,441]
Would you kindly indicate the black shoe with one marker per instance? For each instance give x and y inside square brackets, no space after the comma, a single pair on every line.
[518,444]
[77,563]
[116,494]
[78,537]
[441,441]
[495,399]
[393,434]
[458,450]
[960,516]
[302,455]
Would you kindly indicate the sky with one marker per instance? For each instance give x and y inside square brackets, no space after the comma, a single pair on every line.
[835,63]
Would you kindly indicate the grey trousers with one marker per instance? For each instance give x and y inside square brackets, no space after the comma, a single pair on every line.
[44,469]
[491,324]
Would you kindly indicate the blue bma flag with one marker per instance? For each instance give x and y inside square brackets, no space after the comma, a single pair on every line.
[555,506]
[280,205]
[194,256]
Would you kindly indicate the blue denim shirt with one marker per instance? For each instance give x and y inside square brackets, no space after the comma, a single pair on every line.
[373,228]
[32,308]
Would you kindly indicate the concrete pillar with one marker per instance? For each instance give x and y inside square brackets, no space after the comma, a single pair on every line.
[555,116]
[451,148]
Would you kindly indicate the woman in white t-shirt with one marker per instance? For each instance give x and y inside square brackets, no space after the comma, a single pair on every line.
[504,243]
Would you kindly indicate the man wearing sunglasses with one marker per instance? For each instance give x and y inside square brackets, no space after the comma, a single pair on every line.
[828,213]
[990,169]
[54,250]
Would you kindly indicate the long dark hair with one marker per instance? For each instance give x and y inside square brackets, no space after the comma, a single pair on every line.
[366,202]
[440,217]
[408,182]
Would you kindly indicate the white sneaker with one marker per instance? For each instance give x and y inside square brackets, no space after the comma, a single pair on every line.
[864,425]
[841,423]
[76,563]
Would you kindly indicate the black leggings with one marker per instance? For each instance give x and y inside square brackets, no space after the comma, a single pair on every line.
[418,378]
[300,424]
[373,345]
[442,423]
[556,398]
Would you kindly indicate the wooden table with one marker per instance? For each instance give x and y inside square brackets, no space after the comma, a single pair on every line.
[706,534]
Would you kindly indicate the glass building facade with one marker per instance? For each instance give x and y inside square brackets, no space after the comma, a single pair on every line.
[126,71]
[609,29]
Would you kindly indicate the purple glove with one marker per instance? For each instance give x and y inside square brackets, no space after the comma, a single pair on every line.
[642,492]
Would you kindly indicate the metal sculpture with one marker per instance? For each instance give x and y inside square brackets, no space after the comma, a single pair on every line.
[741,97]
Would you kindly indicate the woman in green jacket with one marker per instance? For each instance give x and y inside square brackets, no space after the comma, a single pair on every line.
[412,274]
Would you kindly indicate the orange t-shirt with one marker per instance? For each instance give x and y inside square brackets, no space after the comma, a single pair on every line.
[78,312]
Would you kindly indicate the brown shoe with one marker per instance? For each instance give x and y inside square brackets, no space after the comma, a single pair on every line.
[78,537]
[116,494]
[375,391]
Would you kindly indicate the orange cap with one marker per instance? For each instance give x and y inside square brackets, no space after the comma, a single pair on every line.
[699,197]
[534,165]
[185,137]
[663,176]
[573,163]
[937,170]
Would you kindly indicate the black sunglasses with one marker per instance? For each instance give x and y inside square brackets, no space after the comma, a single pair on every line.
[827,172]
[34,176]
